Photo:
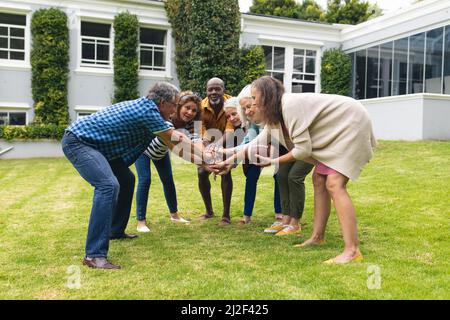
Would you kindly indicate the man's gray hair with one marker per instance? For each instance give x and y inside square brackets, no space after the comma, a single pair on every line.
[163,90]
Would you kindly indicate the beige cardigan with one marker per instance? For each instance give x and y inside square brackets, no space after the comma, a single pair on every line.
[332,129]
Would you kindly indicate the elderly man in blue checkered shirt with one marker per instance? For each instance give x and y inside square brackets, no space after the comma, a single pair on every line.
[103,145]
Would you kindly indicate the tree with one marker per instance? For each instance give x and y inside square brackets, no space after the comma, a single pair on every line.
[282,8]
[309,10]
[347,11]
[206,35]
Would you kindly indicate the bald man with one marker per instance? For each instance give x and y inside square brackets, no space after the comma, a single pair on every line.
[214,125]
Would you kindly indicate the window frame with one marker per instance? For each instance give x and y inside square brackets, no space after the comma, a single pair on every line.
[19,64]
[304,73]
[91,66]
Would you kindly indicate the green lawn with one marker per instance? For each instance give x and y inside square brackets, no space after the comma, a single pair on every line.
[403,210]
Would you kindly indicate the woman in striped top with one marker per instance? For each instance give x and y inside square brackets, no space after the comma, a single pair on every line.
[188,111]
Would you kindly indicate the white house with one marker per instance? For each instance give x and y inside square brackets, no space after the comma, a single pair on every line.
[401,60]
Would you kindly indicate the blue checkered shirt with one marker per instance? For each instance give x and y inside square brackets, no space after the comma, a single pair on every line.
[123,130]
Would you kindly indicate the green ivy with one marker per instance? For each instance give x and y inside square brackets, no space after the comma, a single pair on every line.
[206,34]
[32,132]
[49,62]
[126,62]
[336,72]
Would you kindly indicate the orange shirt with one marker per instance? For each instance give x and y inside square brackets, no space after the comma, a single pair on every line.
[210,121]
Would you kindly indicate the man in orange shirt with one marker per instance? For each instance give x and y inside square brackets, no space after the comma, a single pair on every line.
[214,125]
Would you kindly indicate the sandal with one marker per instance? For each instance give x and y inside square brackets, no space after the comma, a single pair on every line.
[225,221]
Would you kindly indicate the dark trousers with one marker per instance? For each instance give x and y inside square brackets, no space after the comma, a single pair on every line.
[291,181]
[113,184]
[204,186]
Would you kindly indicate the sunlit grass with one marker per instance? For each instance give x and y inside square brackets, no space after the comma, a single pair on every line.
[403,208]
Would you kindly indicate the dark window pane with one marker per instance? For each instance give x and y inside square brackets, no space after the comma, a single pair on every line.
[4,43]
[279,76]
[297,77]
[3,54]
[310,65]
[298,64]
[416,69]
[310,77]
[17,118]
[8,18]
[92,29]
[13,55]
[16,32]
[3,31]
[433,61]
[17,44]
[102,52]
[299,52]
[385,82]
[268,55]
[278,63]
[146,58]
[372,72]
[88,51]
[159,59]
[310,53]
[303,87]
[360,75]
[153,36]
[447,61]
[400,66]
[3,118]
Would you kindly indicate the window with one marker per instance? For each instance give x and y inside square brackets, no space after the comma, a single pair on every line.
[304,73]
[416,66]
[153,48]
[95,44]
[385,73]
[83,114]
[12,36]
[373,67]
[446,83]
[275,61]
[13,118]
[433,61]
[360,74]
[400,67]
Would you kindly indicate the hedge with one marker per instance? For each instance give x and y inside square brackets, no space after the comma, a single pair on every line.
[336,72]
[126,62]
[50,66]
[32,132]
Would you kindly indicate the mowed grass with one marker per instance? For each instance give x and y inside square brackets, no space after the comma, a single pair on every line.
[403,209]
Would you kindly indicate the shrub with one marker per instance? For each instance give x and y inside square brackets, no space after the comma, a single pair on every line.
[126,62]
[207,39]
[31,132]
[252,64]
[336,72]
[49,62]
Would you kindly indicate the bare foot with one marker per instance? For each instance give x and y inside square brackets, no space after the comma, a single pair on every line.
[310,242]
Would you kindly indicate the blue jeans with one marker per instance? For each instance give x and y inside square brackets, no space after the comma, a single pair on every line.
[113,184]
[164,168]
[252,173]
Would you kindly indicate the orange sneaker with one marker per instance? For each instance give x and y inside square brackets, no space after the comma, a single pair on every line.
[275,227]
[288,230]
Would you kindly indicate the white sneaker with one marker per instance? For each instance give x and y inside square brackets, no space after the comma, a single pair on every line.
[143,229]
[275,227]
[180,219]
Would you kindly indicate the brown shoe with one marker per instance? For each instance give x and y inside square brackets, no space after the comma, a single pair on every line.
[99,263]
[206,216]
[123,236]
[225,221]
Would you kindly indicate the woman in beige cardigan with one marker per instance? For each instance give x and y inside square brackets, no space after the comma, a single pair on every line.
[334,133]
